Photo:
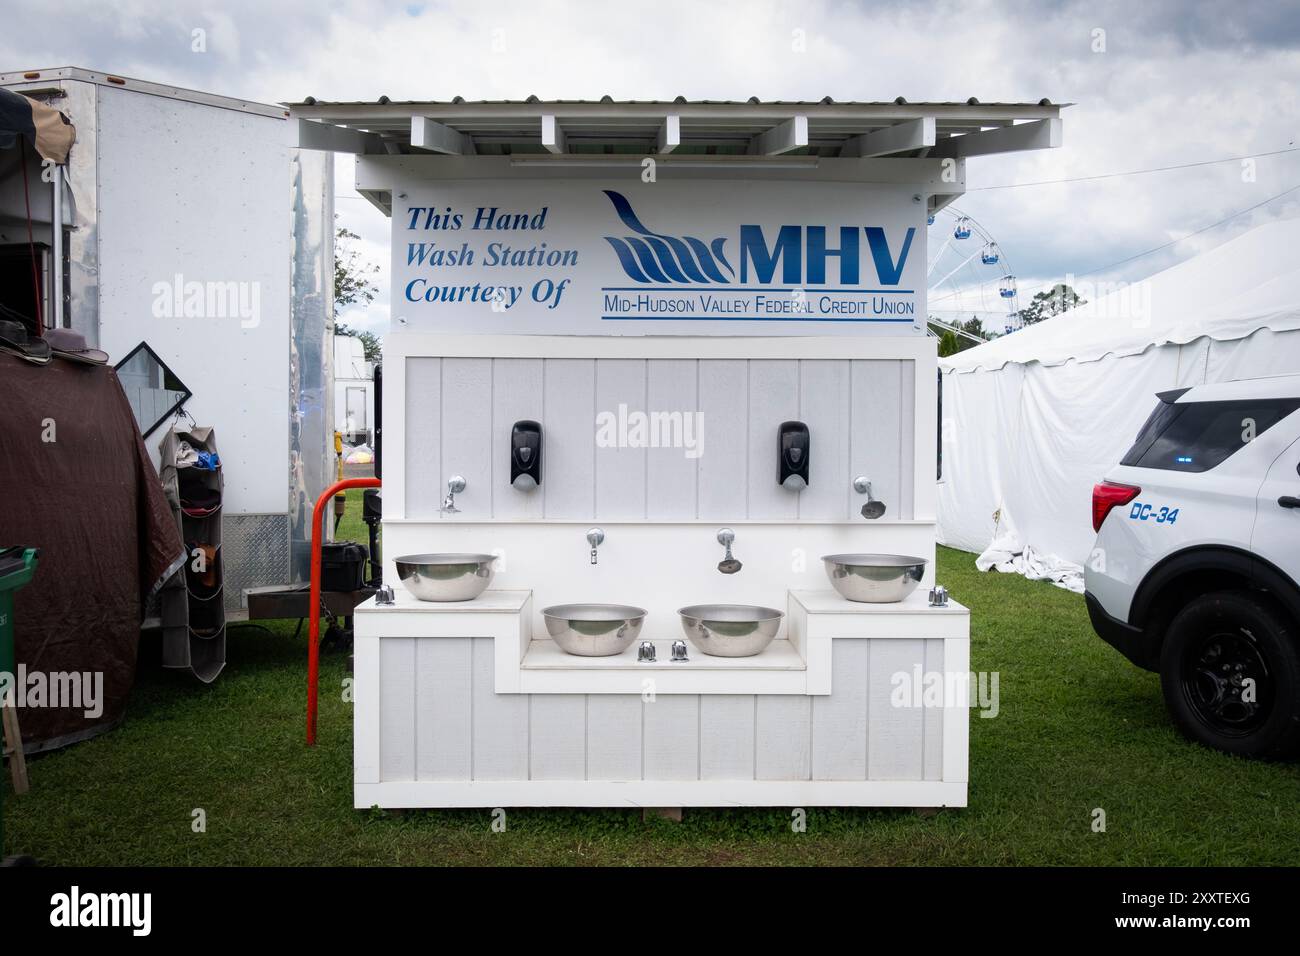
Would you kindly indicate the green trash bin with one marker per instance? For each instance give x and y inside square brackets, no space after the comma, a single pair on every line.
[17,566]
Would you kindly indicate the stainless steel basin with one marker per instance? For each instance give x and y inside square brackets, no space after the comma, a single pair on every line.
[730,630]
[445,577]
[874,578]
[594,630]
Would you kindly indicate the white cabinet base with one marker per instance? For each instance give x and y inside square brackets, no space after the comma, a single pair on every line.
[458,706]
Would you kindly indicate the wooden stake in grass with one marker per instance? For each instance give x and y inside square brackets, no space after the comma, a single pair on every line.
[14,744]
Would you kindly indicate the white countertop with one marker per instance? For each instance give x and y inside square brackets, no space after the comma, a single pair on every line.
[547,655]
[829,601]
[490,601]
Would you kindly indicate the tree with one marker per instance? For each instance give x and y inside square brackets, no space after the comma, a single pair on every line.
[373,344]
[951,341]
[1059,298]
[352,284]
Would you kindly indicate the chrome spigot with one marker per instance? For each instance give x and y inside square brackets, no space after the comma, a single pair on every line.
[873,508]
[728,564]
[385,595]
[455,485]
[595,538]
[679,652]
[645,653]
[938,596]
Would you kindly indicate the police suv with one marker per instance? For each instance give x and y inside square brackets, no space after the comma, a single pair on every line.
[1196,569]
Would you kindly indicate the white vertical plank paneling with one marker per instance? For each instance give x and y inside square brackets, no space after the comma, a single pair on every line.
[839,729]
[613,737]
[620,469]
[824,406]
[724,465]
[568,458]
[557,736]
[932,767]
[467,433]
[670,737]
[773,399]
[500,722]
[782,745]
[397,708]
[516,395]
[874,440]
[442,709]
[727,737]
[424,478]
[894,733]
[907,440]
[670,475]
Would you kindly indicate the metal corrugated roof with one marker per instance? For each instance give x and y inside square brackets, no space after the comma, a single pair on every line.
[755,127]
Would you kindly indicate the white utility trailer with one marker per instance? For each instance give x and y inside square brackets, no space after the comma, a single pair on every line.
[197,242]
[732,272]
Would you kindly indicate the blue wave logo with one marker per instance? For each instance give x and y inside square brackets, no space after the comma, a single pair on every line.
[654,257]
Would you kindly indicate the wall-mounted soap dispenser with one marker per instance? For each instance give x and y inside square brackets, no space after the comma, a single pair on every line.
[526,455]
[793,449]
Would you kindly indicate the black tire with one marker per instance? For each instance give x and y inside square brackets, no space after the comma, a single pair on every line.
[1211,647]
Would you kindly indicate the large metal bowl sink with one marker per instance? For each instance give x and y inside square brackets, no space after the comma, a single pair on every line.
[730,630]
[874,578]
[445,577]
[593,630]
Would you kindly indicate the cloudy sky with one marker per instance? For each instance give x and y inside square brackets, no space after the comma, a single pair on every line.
[1154,84]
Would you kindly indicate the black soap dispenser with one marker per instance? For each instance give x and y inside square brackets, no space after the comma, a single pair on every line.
[793,448]
[526,455]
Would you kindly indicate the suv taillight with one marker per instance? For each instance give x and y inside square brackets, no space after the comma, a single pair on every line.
[1107,495]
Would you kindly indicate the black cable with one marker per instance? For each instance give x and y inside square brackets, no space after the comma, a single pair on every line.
[1171,242]
[1136,172]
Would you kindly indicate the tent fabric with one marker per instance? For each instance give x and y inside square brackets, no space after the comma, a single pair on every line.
[1247,284]
[46,128]
[1028,432]
[76,482]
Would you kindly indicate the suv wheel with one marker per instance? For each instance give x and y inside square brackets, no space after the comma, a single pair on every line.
[1230,671]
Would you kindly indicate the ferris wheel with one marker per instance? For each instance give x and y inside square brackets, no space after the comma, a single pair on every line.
[968,275]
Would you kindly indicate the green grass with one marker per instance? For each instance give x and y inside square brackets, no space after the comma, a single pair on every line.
[1079,728]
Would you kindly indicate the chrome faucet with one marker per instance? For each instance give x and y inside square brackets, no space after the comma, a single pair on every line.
[595,537]
[873,508]
[728,564]
[455,485]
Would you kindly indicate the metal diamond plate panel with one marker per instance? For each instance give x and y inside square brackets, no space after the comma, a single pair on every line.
[255,552]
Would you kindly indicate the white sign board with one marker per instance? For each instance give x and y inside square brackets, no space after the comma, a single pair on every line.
[626,257]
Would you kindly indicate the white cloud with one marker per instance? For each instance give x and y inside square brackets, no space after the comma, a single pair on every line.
[1178,82]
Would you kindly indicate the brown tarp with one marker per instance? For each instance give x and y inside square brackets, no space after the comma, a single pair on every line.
[77,482]
[47,128]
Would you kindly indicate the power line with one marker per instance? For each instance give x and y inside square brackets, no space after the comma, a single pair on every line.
[1137,172]
[1171,242]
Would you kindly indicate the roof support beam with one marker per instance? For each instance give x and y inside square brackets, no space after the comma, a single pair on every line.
[792,134]
[670,134]
[439,138]
[553,138]
[913,134]
[1038,134]
[337,139]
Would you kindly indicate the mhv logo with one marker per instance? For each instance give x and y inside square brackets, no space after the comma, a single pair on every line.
[799,252]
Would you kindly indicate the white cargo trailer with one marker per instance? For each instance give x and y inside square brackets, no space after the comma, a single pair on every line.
[194,229]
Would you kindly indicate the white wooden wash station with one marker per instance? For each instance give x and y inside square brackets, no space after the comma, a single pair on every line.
[470,705]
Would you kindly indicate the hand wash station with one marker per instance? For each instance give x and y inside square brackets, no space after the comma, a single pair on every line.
[659,443]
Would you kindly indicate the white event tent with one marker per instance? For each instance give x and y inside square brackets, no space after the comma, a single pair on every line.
[1033,419]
